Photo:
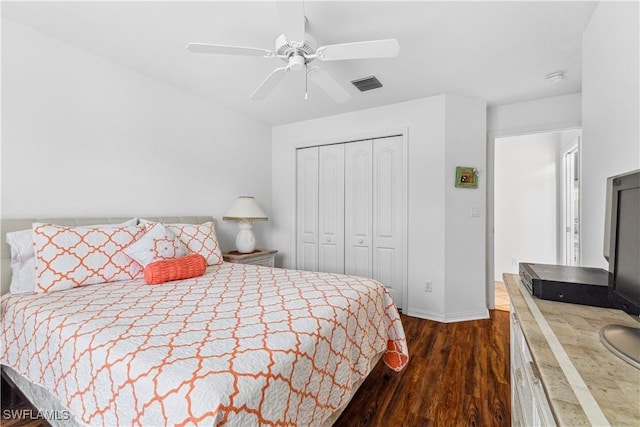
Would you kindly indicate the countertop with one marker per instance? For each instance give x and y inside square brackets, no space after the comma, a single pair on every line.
[570,333]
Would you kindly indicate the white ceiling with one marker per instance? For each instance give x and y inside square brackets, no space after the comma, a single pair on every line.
[497,51]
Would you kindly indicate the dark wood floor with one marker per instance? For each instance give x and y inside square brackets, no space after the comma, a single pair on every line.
[16,409]
[458,375]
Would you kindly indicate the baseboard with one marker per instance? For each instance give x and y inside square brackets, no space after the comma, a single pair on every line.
[421,314]
[471,315]
[449,317]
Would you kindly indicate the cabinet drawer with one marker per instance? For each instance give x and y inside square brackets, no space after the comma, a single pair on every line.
[530,405]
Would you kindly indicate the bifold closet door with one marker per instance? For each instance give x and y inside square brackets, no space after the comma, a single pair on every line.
[307,209]
[331,207]
[350,210]
[358,208]
[320,209]
[388,214]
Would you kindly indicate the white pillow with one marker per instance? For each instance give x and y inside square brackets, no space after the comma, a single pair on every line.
[156,244]
[23,261]
[23,258]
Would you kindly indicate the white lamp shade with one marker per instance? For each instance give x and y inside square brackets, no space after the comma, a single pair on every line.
[245,208]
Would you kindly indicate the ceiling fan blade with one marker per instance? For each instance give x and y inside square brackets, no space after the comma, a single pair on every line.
[292,19]
[359,50]
[269,83]
[328,84]
[228,50]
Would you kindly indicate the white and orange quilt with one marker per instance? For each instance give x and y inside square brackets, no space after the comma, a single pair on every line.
[241,345]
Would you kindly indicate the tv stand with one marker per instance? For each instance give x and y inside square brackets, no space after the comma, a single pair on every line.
[623,341]
[562,369]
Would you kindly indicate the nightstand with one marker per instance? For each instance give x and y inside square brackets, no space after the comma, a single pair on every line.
[266,257]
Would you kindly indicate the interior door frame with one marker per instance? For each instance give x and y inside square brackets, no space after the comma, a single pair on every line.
[354,137]
[491,149]
[565,202]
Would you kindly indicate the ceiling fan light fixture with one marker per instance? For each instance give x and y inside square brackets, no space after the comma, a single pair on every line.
[296,62]
[555,77]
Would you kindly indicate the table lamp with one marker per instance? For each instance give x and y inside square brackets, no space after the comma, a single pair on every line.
[245,210]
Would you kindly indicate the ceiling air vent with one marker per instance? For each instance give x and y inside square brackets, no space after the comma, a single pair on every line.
[367,83]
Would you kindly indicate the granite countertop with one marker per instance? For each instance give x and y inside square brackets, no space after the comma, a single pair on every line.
[613,383]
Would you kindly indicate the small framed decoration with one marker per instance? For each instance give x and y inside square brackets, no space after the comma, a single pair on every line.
[466,177]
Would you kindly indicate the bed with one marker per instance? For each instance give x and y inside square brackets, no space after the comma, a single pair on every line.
[240,345]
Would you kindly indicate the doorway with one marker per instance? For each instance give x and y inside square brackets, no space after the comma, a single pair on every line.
[536,203]
[572,205]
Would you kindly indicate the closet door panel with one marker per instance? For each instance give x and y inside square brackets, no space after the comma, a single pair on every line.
[307,209]
[331,206]
[384,265]
[358,208]
[360,264]
[388,210]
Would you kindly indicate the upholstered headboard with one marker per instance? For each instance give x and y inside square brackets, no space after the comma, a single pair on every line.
[8,225]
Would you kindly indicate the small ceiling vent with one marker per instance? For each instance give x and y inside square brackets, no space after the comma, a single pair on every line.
[367,83]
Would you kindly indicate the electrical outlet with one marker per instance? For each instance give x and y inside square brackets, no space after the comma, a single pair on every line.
[514,261]
[427,285]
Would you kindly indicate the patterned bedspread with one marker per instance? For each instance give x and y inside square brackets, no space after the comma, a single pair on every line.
[243,345]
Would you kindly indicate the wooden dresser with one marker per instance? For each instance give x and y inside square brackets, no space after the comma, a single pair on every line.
[560,372]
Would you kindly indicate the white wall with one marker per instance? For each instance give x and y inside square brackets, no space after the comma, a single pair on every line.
[434,226]
[526,184]
[82,136]
[465,236]
[610,106]
[541,115]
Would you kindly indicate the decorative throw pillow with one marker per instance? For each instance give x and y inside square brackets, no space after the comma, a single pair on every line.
[192,265]
[156,244]
[67,257]
[23,258]
[199,238]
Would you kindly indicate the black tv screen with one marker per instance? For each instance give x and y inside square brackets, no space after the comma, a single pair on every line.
[624,246]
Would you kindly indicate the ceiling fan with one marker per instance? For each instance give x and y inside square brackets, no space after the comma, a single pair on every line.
[298,50]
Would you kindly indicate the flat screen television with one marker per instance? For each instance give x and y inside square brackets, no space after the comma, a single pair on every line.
[622,232]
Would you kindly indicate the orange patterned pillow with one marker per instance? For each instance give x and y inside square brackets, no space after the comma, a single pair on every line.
[200,239]
[192,265]
[67,257]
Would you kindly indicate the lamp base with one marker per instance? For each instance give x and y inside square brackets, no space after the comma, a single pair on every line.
[245,240]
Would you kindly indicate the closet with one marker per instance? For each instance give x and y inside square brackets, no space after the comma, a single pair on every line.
[351,210]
